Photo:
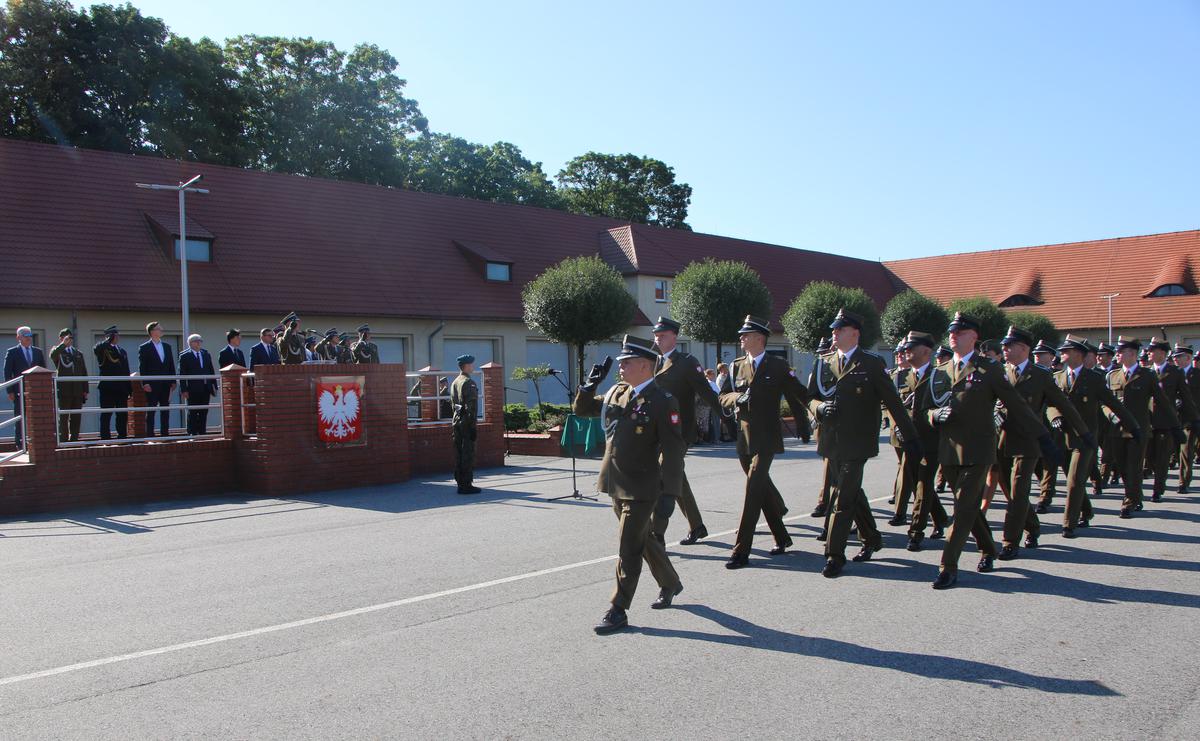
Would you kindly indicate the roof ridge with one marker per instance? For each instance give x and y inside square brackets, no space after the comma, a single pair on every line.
[1045,246]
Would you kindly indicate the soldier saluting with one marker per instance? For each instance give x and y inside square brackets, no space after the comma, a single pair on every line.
[291,342]
[464,400]
[643,457]
[364,350]
[112,360]
[68,361]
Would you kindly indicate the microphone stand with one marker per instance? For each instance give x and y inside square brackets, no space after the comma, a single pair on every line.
[574,484]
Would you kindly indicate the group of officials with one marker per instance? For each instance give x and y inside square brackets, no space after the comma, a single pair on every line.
[961,416]
[286,343]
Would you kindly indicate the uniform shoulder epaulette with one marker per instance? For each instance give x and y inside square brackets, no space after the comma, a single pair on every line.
[827,354]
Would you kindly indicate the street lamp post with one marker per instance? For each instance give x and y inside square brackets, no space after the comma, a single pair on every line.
[182,189]
[1110,298]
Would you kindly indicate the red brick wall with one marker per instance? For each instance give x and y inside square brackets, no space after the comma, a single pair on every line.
[431,447]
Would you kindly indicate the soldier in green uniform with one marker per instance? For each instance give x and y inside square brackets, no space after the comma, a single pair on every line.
[1183,357]
[964,391]
[918,350]
[1168,437]
[643,459]
[903,486]
[327,348]
[823,496]
[344,353]
[291,342]
[760,381]
[1111,465]
[68,361]
[1087,391]
[1047,475]
[364,350]
[1018,449]
[855,392]
[464,403]
[680,375]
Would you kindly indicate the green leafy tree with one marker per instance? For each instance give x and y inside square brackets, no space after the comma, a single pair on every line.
[440,163]
[625,186]
[813,310]
[578,301]
[534,374]
[909,311]
[992,321]
[1038,325]
[710,299]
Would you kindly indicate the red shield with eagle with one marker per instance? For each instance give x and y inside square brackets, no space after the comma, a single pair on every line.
[339,409]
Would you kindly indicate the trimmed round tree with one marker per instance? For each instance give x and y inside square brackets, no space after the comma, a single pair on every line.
[810,315]
[908,311]
[578,301]
[993,322]
[710,299]
[1038,325]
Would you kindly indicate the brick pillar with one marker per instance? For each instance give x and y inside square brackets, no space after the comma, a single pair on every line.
[429,409]
[231,401]
[40,422]
[493,393]
[135,425]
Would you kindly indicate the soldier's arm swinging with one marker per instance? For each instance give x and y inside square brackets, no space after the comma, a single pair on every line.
[670,440]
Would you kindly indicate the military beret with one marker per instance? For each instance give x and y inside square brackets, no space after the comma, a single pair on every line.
[636,347]
[754,324]
[665,324]
[464,359]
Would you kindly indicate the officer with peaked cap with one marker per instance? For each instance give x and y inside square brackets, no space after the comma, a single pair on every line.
[327,348]
[822,508]
[1137,386]
[643,459]
[1184,358]
[464,401]
[112,360]
[68,361]
[291,343]
[903,485]
[1168,438]
[364,350]
[915,395]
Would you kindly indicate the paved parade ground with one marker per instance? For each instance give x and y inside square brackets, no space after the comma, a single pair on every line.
[408,611]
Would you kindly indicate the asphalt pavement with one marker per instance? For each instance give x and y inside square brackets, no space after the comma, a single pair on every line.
[411,612]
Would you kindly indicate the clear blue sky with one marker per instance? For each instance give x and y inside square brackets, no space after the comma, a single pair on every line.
[874,129]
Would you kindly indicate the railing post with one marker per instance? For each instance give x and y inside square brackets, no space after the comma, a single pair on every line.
[429,407]
[231,401]
[39,421]
[135,423]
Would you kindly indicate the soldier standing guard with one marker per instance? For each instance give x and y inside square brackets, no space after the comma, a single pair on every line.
[68,361]
[643,459]
[464,400]
[364,350]
[113,361]
[291,342]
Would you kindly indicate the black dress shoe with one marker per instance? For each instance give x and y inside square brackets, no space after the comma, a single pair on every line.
[938,533]
[914,544]
[1043,508]
[945,580]
[1126,513]
[1156,498]
[1031,541]
[864,554]
[1182,489]
[1085,522]
[737,562]
[467,490]
[612,621]
[986,564]
[694,535]
[900,521]
[1007,553]
[1139,506]
[665,596]
[1068,532]
[892,499]
[818,511]
[781,548]
[1097,490]
[833,568]
[941,488]
[821,536]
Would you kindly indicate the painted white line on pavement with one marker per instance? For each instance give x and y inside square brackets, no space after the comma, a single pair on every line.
[325,618]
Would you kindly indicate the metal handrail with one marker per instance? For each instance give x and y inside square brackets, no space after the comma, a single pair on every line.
[14,382]
[16,419]
[132,378]
[481,417]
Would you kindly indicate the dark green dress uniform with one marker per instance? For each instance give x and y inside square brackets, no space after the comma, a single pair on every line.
[112,360]
[643,460]
[964,394]
[364,351]
[759,385]
[1019,449]
[1136,388]
[681,375]
[291,342]
[904,486]
[68,361]
[1087,392]
[1187,454]
[916,399]
[857,388]
[464,401]
[344,354]
[327,348]
[1167,436]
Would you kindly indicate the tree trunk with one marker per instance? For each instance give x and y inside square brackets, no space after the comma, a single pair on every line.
[580,377]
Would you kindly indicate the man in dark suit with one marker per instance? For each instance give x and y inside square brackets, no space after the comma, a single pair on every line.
[20,358]
[156,359]
[112,360]
[265,352]
[195,361]
[761,380]
[232,353]
[853,386]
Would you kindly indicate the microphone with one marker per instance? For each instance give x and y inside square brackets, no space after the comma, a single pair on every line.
[554,371]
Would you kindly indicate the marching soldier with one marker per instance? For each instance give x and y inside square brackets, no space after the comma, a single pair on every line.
[327,348]
[1168,438]
[1111,464]
[643,457]
[761,380]
[681,376]
[1087,391]
[903,486]
[964,392]
[1136,386]
[823,497]
[68,361]
[1019,450]
[918,350]
[1183,357]
[112,360]
[464,401]
[364,350]
[855,386]
[1047,475]
[291,342]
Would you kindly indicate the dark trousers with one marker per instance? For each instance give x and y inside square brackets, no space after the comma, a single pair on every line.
[666,507]
[826,484]
[761,497]
[159,395]
[905,486]
[1017,471]
[17,427]
[110,400]
[633,533]
[1164,448]
[967,483]
[68,424]
[197,419]
[927,504]
[464,455]
[1078,471]
[1187,458]
[850,505]
[1133,455]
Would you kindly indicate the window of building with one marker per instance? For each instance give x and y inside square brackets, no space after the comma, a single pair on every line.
[1171,289]
[499,271]
[1019,300]
[198,250]
[662,291]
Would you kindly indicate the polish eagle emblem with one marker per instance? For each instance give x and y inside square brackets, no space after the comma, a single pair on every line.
[338,411]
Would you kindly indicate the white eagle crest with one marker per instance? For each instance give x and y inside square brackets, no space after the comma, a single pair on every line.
[338,412]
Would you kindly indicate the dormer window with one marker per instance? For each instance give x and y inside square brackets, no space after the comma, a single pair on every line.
[198,250]
[1019,299]
[1170,289]
[165,228]
[495,266]
[499,271]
